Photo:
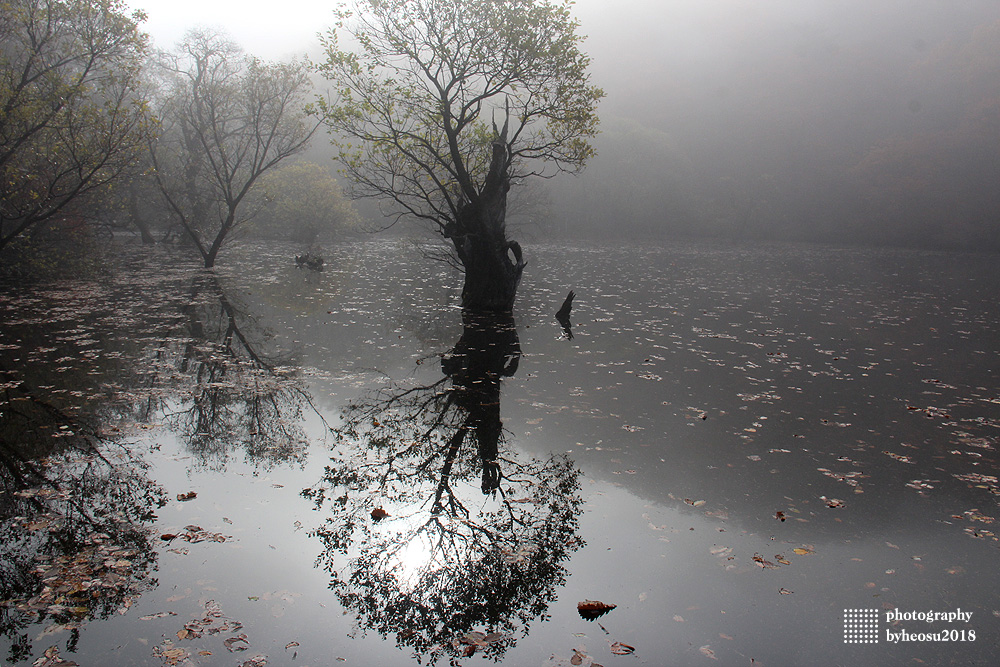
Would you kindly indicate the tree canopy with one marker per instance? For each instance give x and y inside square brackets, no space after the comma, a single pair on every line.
[304,203]
[424,89]
[441,105]
[71,114]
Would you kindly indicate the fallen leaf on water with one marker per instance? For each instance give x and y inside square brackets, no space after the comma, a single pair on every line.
[591,609]
[763,563]
[290,645]
[781,559]
[190,495]
[708,652]
[166,537]
[378,514]
[232,643]
[780,515]
[159,614]
[51,659]
[619,648]
[785,591]
[802,552]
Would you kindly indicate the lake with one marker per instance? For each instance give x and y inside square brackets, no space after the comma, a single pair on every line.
[768,454]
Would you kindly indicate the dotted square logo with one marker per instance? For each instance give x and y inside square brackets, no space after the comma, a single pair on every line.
[861,626]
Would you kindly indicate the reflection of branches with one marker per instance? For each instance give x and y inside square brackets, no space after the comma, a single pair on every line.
[74,544]
[406,545]
[239,398]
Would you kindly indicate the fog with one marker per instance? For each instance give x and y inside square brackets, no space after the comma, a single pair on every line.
[841,122]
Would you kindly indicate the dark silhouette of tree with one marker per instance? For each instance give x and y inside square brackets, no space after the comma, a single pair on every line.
[437,528]
[418,109]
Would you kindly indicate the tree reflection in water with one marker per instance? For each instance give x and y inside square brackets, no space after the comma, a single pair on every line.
[415,546]
[75,541]
[234,397]
[77,503]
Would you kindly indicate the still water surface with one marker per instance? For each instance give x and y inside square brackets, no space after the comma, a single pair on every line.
[269,465]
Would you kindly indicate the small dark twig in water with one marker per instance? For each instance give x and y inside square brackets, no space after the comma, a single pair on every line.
[562,315]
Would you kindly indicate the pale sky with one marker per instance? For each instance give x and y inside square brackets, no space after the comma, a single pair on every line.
[270,29]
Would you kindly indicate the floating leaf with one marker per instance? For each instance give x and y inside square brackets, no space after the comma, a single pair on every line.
[378,514]
[51,659]
[591,609]
[784,591]
[780,516]
[159,614]
[763,563]
[707,652]
[618,648]
[233,643]
[802,552]
[190,495]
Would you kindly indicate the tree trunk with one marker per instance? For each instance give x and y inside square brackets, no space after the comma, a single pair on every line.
[493,263]
[136,216]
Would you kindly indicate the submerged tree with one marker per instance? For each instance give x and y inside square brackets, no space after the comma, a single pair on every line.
[227,120]
[71,114]
[450,102]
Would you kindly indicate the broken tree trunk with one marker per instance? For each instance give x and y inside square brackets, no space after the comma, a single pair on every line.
[493,263]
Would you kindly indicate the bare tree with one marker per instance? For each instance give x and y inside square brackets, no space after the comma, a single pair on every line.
[227,119]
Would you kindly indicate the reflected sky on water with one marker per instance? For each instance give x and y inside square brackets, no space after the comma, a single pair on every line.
[759,438]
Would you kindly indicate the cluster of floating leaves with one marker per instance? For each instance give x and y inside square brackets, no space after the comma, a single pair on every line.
[212,623]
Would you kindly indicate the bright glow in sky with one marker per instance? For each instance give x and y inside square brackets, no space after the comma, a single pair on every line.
[270,29]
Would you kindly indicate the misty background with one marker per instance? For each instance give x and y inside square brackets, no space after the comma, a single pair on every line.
[806,120]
